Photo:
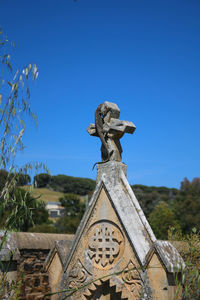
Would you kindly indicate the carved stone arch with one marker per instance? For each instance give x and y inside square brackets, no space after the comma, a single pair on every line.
[115,288]
[104,290]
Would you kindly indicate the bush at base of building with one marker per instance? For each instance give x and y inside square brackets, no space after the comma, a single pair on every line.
[189,249]
[43,228]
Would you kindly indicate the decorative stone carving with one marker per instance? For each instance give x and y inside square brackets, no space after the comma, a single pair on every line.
[77,276]
[132,279]
[110,130]
[106,244]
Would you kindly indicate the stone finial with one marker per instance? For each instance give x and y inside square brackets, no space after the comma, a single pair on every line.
[110,130]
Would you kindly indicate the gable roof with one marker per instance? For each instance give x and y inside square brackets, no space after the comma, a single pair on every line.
[61,248]
[169,256]
[126,206]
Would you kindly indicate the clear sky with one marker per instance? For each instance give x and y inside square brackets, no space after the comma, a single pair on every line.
[143,55]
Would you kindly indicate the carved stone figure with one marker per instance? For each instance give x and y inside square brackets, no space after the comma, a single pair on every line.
[110,130]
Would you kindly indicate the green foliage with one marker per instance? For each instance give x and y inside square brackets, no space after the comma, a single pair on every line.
[14,103]
[189,249]
[73,213]
[17,207]
[3,179]
[161,218]
[150,196]
[44,228]
[20,179]
[68,184]
[14,107]
[42,180]
[21,211]
[23,179]
[67,224]
[72,204]
[65,184]
[12,289]
[187,205]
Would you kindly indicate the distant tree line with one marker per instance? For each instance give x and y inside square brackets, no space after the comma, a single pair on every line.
[21,179]
[164,207]
[65,184]
[150,196]
[177,208]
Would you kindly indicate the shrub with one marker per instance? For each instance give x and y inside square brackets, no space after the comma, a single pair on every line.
[189,249]
[44,228]
[42,180]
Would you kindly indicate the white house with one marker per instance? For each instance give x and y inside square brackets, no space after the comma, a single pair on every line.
[55,209]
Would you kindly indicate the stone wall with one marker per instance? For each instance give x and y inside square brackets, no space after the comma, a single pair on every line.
[29,252]
[35,279]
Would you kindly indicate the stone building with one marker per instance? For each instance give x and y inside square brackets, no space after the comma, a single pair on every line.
[114,254]
[23,256]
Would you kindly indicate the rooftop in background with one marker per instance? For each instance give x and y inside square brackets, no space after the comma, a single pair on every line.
[53,203]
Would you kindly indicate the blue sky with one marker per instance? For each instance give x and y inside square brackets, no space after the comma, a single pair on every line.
[143,55]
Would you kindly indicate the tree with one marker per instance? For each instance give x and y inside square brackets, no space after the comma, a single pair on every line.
[72,204]
[23,179]
[187,205]
[189,249]
[31,211]
[14,102]
[161,219]
[14,106]
[3,179]
[150,196]
[42,180]
[67,224]
[44,228]
[65,184]
[69,184]
[73,213]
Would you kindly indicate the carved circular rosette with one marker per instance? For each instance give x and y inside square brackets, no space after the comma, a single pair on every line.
[105,244]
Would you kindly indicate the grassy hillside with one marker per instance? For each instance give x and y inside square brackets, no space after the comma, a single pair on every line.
[45,194]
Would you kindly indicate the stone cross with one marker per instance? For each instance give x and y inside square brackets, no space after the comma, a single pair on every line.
[110,130]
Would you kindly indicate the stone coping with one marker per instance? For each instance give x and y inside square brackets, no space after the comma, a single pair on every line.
[17,241]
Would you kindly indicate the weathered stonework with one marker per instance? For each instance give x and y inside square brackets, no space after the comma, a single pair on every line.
[110,130]
[54,263]
[105,244]
[115,254]
[36,280]
[115,244]
[29,252]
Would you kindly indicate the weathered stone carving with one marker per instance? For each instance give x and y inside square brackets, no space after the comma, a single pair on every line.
[131,278]
[77,276]
[105,245]
[110,130]
[117,252]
